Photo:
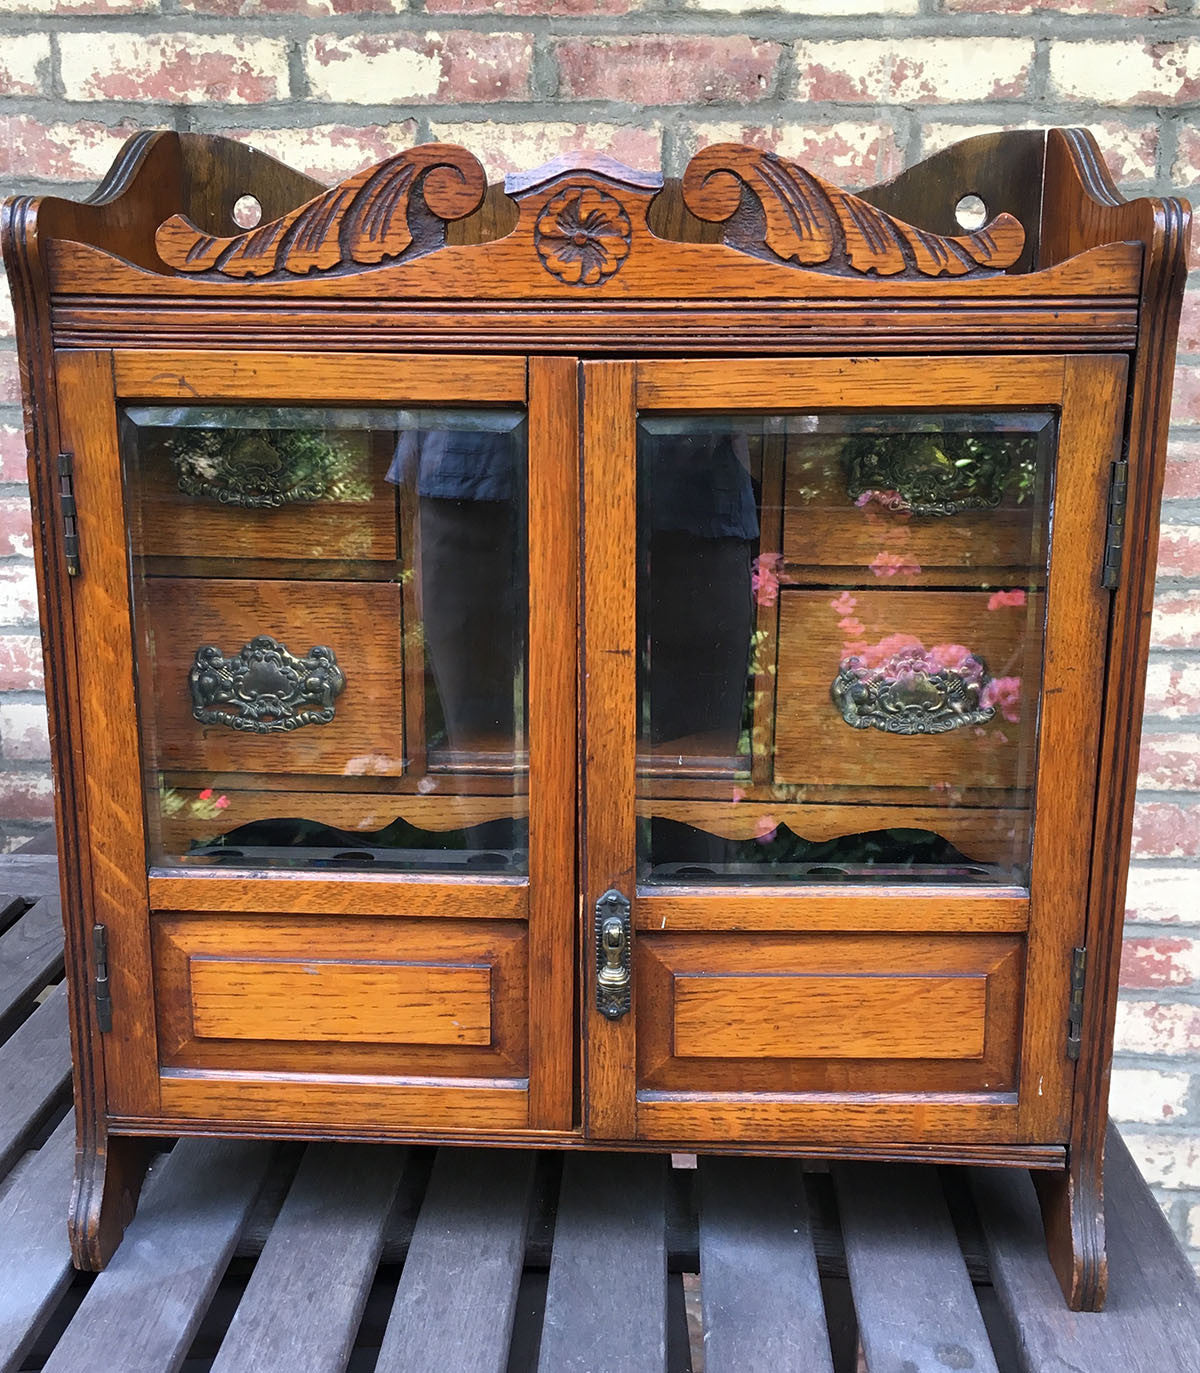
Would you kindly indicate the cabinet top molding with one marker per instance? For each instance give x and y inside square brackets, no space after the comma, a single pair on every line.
[740,223]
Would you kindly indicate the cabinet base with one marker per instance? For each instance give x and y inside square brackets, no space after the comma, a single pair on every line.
[108,1181]
[1072,1205]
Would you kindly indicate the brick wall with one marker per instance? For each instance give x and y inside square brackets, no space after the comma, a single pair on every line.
[331,85]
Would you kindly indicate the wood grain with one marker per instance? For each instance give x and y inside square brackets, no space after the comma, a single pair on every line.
[356,1001]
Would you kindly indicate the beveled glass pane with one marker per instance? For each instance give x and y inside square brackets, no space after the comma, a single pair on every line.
[331,610]
[840,621]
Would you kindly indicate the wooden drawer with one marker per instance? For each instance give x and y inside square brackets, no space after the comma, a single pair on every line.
[361,624]
[863,1013]
[356,518]
[814,744]
[823,530]
[394,997]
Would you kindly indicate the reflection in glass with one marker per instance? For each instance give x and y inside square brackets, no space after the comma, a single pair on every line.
[331,608]
[840,628]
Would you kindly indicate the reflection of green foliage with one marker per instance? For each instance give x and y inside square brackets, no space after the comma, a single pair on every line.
[939,472]
[267,468]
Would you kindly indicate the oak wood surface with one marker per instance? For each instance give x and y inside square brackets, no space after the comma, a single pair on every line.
[392,999]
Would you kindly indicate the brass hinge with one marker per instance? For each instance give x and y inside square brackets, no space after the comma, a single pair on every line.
[103,995]
[1075,1014]
[1114,539]
[66,498]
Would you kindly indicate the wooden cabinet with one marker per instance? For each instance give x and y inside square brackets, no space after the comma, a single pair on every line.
[598,662]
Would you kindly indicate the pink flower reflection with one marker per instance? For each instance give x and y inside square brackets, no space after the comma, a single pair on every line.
[764,577]
[843,604]
[764,828]
[999,598]
[1004,695]
[885,564]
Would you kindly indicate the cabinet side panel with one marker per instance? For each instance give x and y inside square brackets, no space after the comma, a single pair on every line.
[108,725]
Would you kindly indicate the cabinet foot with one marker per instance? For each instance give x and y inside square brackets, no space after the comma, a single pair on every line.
[108,1179]
[1072,1205]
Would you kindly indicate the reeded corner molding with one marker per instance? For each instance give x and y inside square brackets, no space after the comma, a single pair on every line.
[774,209]
[396,209]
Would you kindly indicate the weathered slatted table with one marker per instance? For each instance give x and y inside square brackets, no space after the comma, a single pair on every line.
[253,1258]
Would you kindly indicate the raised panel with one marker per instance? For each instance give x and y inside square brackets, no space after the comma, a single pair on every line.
[819,1015]
[361,1001]
[890,1014]
[383,996]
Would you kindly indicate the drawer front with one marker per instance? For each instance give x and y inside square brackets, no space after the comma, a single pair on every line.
[351,519]
[816,745]
[824,529]
[359,622]
[395,997]
[864,1013]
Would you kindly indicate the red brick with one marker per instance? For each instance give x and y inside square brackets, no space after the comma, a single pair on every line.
[331,152]
[12,454]
[1185,399]
[917,71]
[415,69]
[1162,829]
[1170,762]
[1159,961]
[504,148]
[10,379]
[1179,550]
[1160,895]
[1131,9]
[1173,689]
[20,662]
[1176,620]
[1150,1027]
[1182,481]
[530,8]
[59,150]
[1185,170]
[18,594]
[23,734]
[850,154]
[680,69]
[315,9]
[16,527]
[24,63]
[1166,1160]
[26,796]
[1147,1095]
[1189,320]
[1130,72]
[175,68]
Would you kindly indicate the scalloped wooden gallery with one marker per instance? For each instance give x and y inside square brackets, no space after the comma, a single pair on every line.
[597,661]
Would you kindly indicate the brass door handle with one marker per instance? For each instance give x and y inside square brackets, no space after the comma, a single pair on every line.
[911,692]
[613,962]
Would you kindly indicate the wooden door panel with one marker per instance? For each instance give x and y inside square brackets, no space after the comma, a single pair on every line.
[886,1014]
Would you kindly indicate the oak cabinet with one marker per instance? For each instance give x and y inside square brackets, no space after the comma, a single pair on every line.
[598,662]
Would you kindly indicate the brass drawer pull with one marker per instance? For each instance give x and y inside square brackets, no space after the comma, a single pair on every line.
[264,689]
[913,692]
[259,469]
[613,963]
[938,474]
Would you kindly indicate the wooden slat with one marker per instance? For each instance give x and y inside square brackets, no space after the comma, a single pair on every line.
[35,1065]
[916,1307]
[1151,1321]
[35,1257]
[457,1297]
[32,872]
[31,955]
[759,1285]
[143,1310]
[607,1299]
[326,1241]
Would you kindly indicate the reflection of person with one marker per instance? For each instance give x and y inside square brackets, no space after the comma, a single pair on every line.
[699,523]
[472,575]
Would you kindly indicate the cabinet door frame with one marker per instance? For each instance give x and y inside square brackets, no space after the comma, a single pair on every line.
[1088,391]
[120,891]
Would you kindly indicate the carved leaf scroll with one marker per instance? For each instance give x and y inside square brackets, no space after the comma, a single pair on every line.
[361,222]
[773,207]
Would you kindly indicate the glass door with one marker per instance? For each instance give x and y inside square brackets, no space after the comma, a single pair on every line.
[344,801]
[844,616]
